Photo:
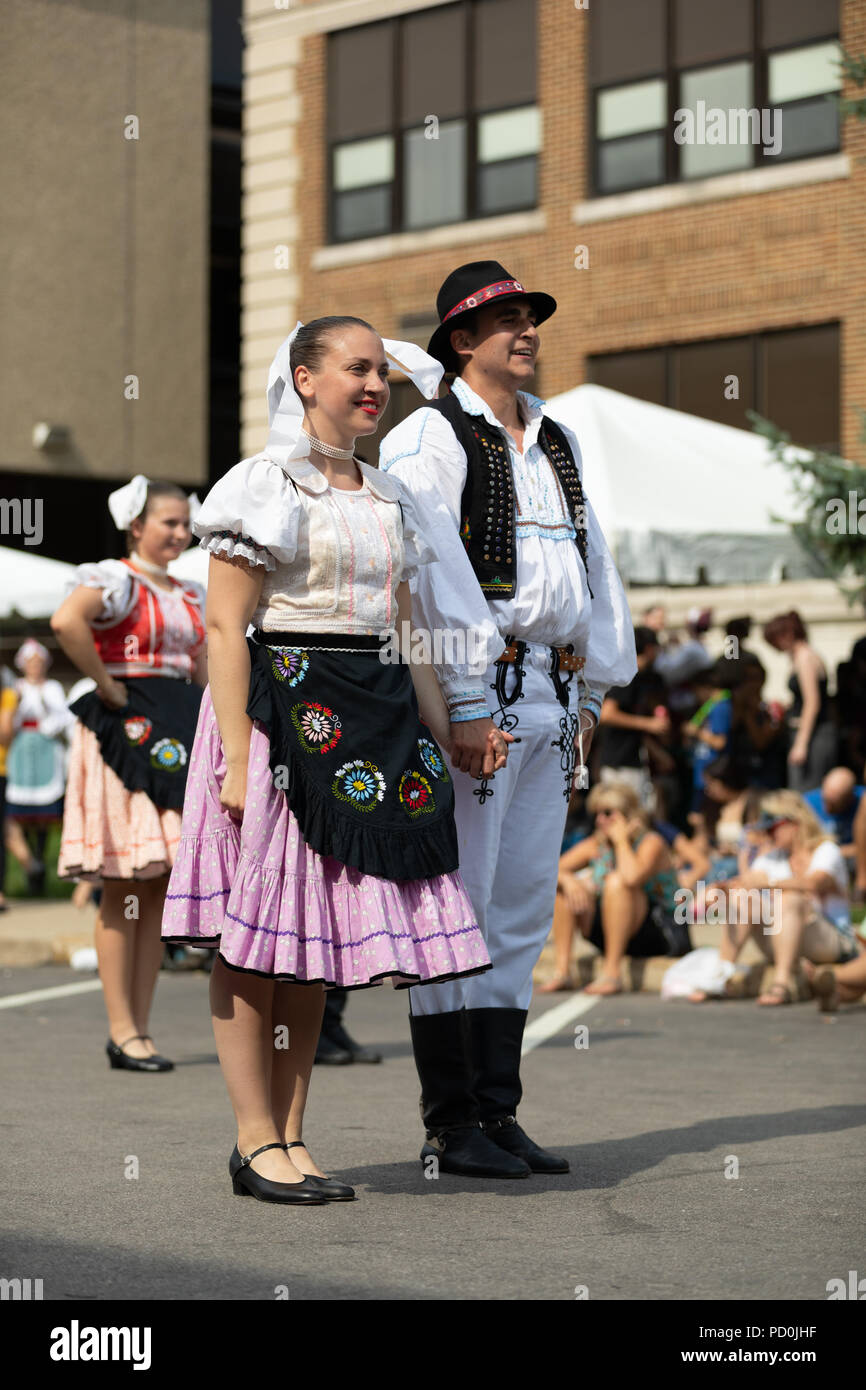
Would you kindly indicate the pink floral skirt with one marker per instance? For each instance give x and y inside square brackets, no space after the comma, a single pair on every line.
[109,831]
[276,908]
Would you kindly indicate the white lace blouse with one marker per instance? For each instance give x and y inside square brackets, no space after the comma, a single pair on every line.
[332,559]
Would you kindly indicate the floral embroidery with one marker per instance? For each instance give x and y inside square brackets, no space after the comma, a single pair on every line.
[290,664]
[416,794]
[319,728]
[168,754]
[360,783]
[432,759]
[137,730]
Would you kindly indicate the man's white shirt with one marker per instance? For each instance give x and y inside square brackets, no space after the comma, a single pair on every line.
[551,604]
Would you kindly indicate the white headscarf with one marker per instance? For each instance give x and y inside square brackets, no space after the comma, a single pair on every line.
[127,502]
[30,647]
[286,410]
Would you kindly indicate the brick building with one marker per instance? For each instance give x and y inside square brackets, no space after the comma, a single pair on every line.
[674,265]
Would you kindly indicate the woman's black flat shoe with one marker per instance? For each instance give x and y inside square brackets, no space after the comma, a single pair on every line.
[121,1061]
[247,1183]
[330,1189]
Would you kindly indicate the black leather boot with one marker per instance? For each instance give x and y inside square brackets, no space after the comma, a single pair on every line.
[334,1030]
[496,1036]
[448,1108]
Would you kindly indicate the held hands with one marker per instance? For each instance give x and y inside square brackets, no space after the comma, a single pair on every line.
[113,693]
[478,747]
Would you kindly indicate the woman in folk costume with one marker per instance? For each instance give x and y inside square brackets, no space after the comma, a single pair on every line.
[36,769]
[139,635]
[318,845]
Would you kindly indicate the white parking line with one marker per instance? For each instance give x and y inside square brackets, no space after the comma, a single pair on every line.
[555,1019]
[35,996]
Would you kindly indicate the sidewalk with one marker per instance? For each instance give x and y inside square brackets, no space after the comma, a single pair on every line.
[34,932]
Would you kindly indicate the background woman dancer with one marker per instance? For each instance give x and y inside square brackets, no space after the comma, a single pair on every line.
[127,774]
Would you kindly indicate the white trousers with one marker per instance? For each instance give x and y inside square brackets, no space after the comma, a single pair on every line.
[510,844]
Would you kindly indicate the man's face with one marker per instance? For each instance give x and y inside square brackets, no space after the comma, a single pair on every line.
[505,344]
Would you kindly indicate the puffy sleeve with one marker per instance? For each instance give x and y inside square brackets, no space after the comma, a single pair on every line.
[417,545]
[116,583]
[252,511]
[424,455]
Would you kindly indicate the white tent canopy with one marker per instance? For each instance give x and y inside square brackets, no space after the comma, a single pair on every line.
[31,585]
[682,500]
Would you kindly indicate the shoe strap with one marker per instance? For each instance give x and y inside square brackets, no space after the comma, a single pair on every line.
[295,1144]
[247,1159]
[136,1037]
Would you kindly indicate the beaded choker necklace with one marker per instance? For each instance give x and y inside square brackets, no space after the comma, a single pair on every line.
[148,567]
[329,450]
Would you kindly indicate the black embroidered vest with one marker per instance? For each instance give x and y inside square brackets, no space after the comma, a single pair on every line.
[487,511]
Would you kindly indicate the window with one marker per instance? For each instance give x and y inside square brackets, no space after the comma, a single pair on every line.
[433,118]
[790,376]
[686,89]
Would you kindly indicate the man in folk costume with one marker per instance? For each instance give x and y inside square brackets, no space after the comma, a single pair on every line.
[525,589]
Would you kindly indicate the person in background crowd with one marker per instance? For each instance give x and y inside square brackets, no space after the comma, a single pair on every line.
[630,717]
[709,729]
[635,883]
[8,705]
[139,635]
[581,877]
[839,984]
[36,762]
[739,629]
[812,750]
[757,740]
[655,619]
[726,793]
[808,916]
[840,806]
[680,662]
[851,706]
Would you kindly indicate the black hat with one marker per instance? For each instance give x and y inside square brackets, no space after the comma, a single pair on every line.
[467,288]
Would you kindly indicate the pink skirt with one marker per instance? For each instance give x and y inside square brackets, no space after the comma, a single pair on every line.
[276,908]
[109,831]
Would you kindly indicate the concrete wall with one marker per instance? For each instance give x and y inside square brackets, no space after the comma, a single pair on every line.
[105,239]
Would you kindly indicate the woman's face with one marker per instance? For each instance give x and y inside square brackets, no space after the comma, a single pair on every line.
[165,532]
[350,391]
[35,668]
[785,835]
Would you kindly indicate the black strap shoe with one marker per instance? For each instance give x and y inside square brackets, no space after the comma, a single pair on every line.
[330,1055]
[331,1190]
[119,1060]
[247,1183]
[508,1136]
[466,1150]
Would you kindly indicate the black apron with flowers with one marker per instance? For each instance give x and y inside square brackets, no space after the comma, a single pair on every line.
[362,774]
[148,742]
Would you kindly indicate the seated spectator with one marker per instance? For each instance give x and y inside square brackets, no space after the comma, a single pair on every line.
[631,716]
[840,984]
[617,887]
[808,913]
[579,879]
[835,804]
[726,793]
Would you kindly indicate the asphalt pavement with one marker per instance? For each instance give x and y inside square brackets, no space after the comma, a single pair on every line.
[716,1152]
